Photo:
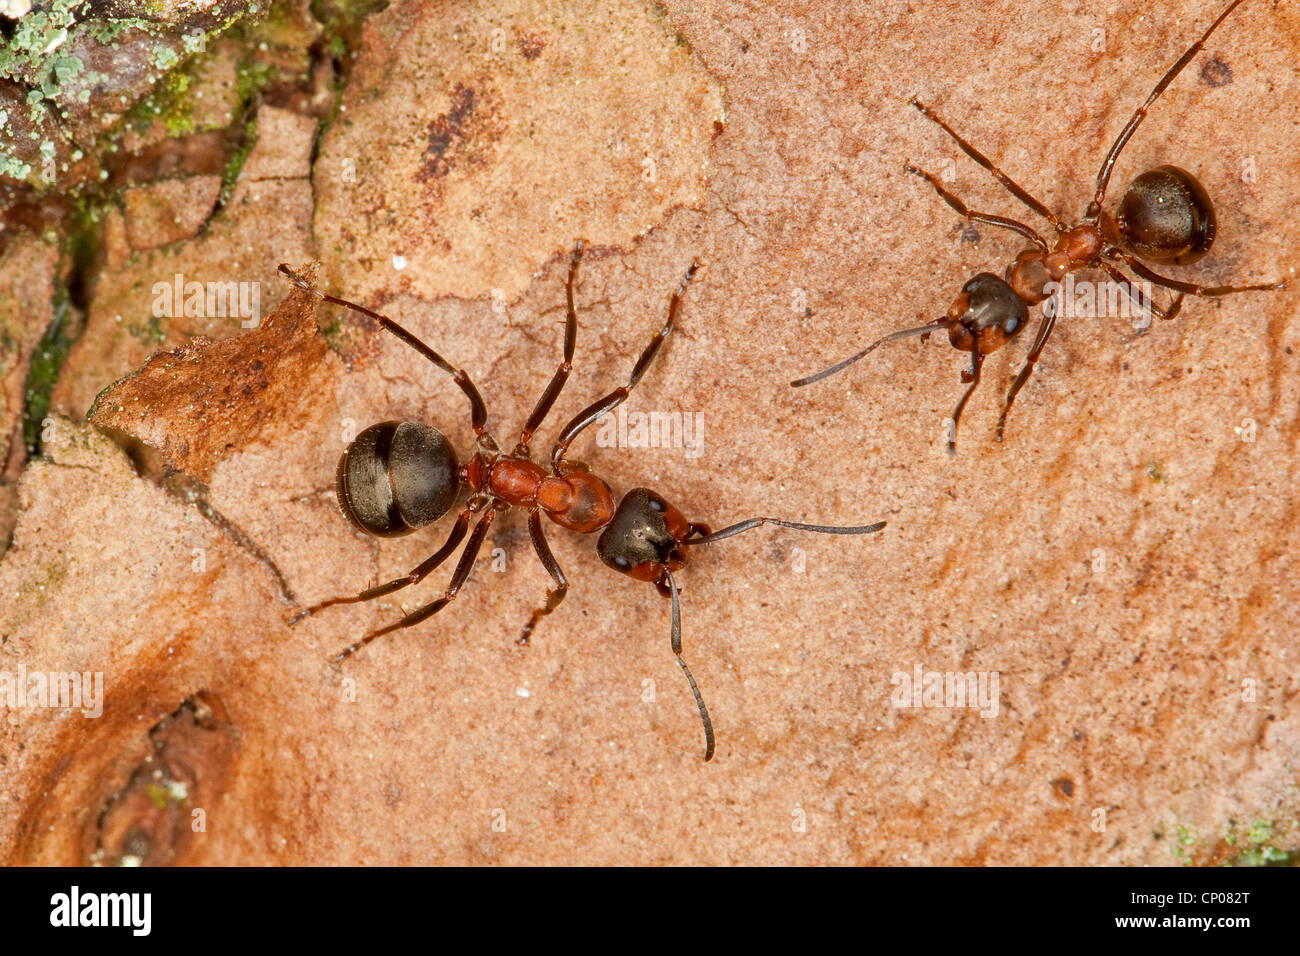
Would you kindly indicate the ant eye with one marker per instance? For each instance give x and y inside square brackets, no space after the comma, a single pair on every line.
[621,562]
[1011,326]
[658,504]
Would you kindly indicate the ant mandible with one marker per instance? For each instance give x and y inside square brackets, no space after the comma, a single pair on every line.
[1165,216]
[398,476]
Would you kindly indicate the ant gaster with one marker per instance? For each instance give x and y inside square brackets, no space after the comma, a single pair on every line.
[1165,216]
[397,476]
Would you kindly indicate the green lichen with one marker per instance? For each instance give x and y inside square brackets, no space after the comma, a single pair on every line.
[65,69]
[341,22]
[1156,472]
[332,333]
[37,57]
[36,101]
[47,359]
[343,18]
[168,104]
[150,332]
[251,78]
[14,167]
[1184,846]
[235,163]
[171,101]
[1257,845]
[335,47]
[106,31]
[37,588]
[163,794]
[81,238]
[32,55]
[164,57]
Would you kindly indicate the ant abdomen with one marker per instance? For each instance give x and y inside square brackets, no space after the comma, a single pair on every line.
[396,477]
[1166,216]
[985,315]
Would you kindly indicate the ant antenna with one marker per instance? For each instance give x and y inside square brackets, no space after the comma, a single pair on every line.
[891,337]
[727,532]
[751,523]
[478,410]
[677,649]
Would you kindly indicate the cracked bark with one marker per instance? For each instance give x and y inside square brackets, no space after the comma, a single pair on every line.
[1128,682]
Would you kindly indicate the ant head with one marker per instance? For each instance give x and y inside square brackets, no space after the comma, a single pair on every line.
[396,477]
[643,539]
[986,314]
[1166,216]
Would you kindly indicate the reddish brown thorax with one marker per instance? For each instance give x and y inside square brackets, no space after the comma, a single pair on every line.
[577,500]
[1076,248]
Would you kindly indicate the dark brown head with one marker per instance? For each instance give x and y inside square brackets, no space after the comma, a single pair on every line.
[396,477]
[985,315]
[1166,216]
[644,537]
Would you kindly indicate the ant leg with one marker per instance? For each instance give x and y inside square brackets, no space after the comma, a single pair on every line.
[619,395]
[973,376]
[1008,183]
[1141,299]
[458,578]
[566,366]
[417,575]
[478,411]
[962,210]
[675,635]
[1103,175]
[556,594]
[1192,288]
[1044,330]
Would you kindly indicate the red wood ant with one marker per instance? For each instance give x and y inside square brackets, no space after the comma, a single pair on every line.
[398,476]
[1165,216]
